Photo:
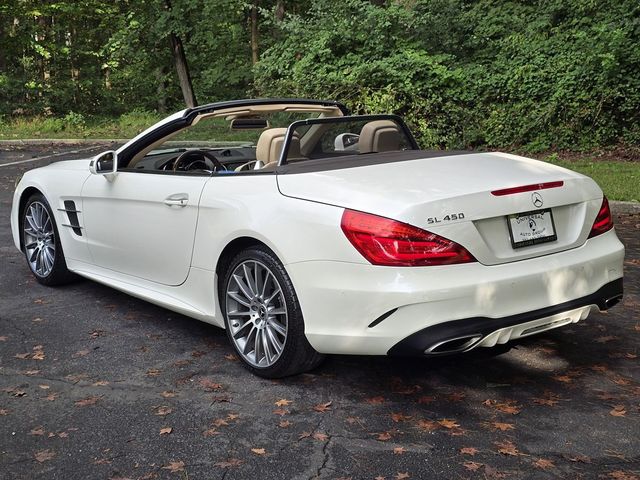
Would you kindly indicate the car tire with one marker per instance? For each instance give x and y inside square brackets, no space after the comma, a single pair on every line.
[265,326]
[41,243]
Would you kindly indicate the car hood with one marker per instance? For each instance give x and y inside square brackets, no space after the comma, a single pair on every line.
[81,164]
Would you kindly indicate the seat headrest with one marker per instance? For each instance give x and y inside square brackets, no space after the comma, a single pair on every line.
[379,136]
[270,145]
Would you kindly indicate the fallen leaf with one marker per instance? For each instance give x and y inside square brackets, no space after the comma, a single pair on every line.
[163,410]
[168,394]
[3,338]
[468,451]
[622,475]
[283,402]
[231,357]
[153,372]
[446,423]
[32,372]
[456,396]
[22,356]
[96,333]
[507,448]
[4,412]
[304,435]
[550,402]
[398,451]
[399,417]
[472,466]
[209,385]
[87,401]
[503,427]
[320,436]
[543,463]
[375,400]
[37,431]
[44,455]
[211,432]
[618,411]
[284,424]
[322,407]
[175,467]
[220,422]
[563,378]
[51,397]
[44,387]
[428,425]
[231,462]
[258,451]
[384,436]
[166,430]
[280,411]
[233,416]
[402,476]
[80,353]
[580,458]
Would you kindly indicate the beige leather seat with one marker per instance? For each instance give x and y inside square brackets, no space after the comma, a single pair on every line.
[270,146]
[379,136]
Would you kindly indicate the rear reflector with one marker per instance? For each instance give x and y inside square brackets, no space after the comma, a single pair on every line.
[527,188]
[604,221]
[383,241]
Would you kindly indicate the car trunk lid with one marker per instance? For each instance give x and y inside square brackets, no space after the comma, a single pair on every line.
[452,196]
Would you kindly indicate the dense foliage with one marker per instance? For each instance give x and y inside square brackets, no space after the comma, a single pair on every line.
[532,73]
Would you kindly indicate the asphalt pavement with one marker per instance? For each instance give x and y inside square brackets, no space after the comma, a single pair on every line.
[95,384]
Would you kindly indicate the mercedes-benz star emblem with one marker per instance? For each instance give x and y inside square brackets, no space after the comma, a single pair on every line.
[536,199]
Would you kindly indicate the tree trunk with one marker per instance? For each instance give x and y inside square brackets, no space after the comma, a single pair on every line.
[254,32]
[280,10]
[180,61]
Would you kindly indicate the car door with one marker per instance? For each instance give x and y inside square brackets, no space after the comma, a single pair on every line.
[143,224]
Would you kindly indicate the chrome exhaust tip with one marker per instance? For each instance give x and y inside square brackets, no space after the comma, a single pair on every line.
[610,302]
[454,345]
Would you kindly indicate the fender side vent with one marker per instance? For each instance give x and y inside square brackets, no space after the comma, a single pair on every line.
[72,213]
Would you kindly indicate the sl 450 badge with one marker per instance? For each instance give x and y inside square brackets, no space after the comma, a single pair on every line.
[447,218]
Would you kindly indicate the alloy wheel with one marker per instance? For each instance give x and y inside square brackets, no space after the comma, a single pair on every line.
[256,313]
[39,239]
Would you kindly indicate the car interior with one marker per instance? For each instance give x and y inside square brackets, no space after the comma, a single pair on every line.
[252,140]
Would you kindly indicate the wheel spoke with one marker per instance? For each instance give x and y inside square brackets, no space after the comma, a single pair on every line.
[247,346]
[277,327]
[238,333]
[239,299]
[258,279]
[267,346]
[34,255]
[31,245]
[257,346]
[249,278]
[240,314]
[32,223]
[278,311]
[273,295]
[246,291]
[273,340]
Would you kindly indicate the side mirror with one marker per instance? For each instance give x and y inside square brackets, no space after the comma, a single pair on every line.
[105,163]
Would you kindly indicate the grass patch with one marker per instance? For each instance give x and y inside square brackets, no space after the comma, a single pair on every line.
[75,125]
[618,180]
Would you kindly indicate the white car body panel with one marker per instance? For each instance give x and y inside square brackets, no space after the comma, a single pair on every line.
[168,255]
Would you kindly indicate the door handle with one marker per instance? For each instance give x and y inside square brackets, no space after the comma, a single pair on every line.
[177,200]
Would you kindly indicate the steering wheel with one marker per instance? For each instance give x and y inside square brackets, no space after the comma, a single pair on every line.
[207,158]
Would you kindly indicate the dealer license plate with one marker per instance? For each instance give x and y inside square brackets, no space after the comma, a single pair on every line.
[531,228]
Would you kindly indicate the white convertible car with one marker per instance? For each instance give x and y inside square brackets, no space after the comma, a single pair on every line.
[304,231]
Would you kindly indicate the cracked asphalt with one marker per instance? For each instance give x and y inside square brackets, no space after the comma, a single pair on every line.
[95,384]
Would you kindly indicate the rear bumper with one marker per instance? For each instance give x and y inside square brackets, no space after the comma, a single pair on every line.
[466,334]
[372,310]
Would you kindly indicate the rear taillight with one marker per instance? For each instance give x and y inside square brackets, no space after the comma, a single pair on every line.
[383,241]
[603,222]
